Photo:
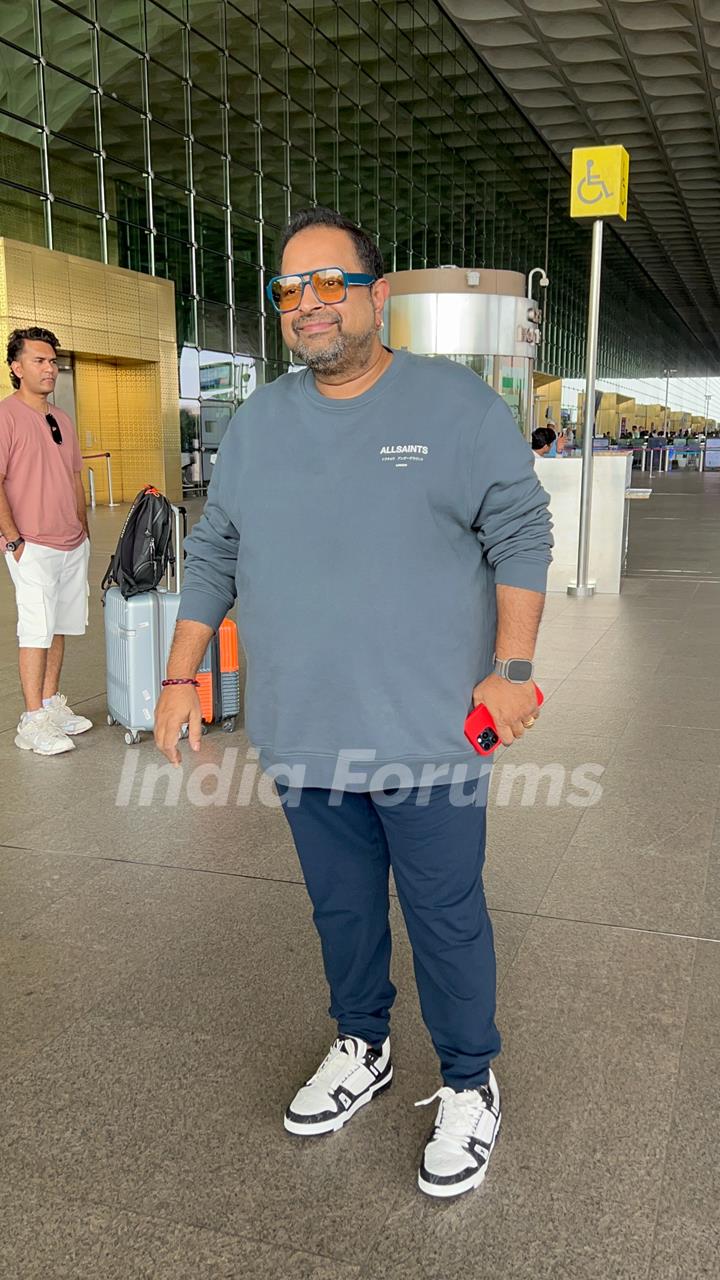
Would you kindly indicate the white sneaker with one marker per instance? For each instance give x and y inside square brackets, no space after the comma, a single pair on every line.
[459,1149]
[64,718]
[40,734]
[351,1075]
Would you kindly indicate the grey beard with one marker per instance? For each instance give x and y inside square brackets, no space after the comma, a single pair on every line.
[342,355]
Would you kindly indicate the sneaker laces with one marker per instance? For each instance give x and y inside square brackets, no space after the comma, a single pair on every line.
[59,700]
[460,1113]
[333,1061]
[44,721]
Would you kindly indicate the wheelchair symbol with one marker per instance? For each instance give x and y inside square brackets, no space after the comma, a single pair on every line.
[594,181]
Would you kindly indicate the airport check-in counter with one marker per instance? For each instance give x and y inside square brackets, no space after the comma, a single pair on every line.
[561,478]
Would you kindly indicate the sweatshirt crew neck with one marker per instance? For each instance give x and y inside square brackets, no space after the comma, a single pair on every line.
[351,404]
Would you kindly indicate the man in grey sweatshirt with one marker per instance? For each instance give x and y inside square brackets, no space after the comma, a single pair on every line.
[379,520]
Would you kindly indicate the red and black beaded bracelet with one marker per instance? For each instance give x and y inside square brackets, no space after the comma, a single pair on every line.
[189,680]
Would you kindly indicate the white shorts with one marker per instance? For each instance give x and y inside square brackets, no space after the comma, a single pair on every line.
[51,592]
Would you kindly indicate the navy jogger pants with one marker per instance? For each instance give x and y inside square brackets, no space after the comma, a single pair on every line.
[436,850]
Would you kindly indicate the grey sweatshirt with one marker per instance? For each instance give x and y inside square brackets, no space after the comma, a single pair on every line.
[363,539]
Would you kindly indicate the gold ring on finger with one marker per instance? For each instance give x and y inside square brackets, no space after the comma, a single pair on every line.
[529,723]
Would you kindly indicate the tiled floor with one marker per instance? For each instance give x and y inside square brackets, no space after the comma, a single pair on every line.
[162,994]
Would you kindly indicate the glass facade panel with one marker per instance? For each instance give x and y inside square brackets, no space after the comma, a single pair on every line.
[207,65]
[167,97]
[169,154]
[130,245]
[66,40]
[20,153]
[121,70]
[126,21]
[22,215]
[187,162]
[166,38]
[76,231]
[19,83]
[70,107]
[123,131]
[73,172]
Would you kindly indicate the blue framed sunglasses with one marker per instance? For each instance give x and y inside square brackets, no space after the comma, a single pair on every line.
[329,284]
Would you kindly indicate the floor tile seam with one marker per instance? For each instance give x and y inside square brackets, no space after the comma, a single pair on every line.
[206,871]
[66,853]
[79,1199]
[165,1217]
[152,866]
[670,1118]
[500,982]
[609,924]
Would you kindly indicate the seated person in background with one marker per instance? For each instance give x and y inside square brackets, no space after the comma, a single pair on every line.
[541,441]
[547,443]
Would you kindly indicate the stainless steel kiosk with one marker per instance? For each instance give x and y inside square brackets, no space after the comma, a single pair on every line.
[481,318]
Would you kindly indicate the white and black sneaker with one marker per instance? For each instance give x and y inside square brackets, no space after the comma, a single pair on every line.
[351,1075]
[459,1149]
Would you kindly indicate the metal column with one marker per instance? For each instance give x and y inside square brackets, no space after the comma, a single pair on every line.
[581,586]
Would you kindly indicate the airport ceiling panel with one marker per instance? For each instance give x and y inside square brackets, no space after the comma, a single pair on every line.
[644,73]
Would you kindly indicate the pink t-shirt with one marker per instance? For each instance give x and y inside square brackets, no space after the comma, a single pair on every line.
[40,475]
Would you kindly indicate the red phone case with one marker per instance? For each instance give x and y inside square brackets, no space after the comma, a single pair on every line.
[481,731]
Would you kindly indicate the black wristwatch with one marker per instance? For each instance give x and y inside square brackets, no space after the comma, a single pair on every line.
[516,670]
[13,546]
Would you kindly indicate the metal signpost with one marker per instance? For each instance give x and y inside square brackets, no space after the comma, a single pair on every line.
[599,189]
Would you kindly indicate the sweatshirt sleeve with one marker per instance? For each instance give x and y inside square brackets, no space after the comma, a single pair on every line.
[508,505]
[208,589]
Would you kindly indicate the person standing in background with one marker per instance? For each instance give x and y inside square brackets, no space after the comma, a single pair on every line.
[44,535]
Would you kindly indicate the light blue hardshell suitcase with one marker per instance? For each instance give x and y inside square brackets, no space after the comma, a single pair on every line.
[138,636]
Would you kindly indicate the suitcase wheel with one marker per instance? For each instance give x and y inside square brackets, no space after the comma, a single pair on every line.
[111,720]
[132,738]
[228,726]
[204,730]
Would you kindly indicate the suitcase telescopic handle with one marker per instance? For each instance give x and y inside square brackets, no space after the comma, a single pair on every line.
[180,533]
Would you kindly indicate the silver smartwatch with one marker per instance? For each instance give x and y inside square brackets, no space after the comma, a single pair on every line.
[516,670]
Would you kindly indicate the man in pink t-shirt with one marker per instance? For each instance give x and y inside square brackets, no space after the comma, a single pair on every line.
[44,536]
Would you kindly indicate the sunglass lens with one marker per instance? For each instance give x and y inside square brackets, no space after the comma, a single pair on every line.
[329,286]
[55,431]
[286,292]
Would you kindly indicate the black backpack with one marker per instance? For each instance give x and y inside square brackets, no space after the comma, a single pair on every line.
[145,547]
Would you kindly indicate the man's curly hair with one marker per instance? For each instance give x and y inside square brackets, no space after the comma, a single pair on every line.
[17,340]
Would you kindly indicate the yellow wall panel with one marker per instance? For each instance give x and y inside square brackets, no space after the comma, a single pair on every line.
[91,341]
[88,303]
[51,282]
[19,281]
[123,301]
[87,402]
[166,311]
[120,326]
[148,308]
[148,349]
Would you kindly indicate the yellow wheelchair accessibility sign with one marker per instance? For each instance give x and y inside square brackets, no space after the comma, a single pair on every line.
[599,182]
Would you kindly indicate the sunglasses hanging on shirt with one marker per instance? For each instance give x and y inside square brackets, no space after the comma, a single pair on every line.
[55,431]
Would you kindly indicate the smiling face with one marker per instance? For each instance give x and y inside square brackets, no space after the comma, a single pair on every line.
[36,367]
[336,340]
